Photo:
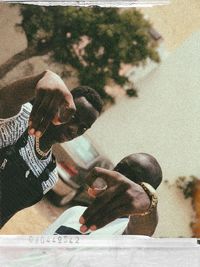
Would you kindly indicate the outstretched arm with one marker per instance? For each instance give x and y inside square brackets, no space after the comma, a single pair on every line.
[53,100]
[121,198]
[14,95]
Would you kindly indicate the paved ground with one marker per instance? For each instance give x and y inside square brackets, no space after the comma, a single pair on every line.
[32,220]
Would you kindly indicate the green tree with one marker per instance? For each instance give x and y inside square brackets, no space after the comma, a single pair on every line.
[95,41]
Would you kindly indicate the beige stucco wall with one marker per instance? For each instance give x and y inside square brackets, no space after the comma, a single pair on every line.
[163,121]
[175,21]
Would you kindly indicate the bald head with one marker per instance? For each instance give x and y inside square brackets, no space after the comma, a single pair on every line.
[141,167]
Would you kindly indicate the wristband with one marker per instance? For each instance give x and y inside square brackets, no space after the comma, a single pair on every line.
[151,192]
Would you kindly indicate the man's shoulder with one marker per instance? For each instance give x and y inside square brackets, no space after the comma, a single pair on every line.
[26,108]
[22,114]
[12,128]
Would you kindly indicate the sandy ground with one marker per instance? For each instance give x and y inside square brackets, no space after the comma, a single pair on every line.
[175,22]
[32,220]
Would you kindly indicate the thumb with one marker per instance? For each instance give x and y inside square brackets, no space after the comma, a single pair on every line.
[107,175]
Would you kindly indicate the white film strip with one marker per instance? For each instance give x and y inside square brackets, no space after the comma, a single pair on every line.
[86,241]
[102,3]
[76,251]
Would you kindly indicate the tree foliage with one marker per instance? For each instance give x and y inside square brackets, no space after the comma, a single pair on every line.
[95,41]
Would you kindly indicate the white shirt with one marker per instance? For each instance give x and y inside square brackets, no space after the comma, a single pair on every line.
[11,129]
[70,219]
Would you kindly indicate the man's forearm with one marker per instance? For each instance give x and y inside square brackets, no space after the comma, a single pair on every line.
[14,95]
[142,225]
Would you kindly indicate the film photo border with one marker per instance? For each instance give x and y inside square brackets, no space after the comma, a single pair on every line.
[102,3]
[171,244]
[110,251]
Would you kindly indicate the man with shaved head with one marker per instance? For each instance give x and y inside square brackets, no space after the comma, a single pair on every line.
[126,204]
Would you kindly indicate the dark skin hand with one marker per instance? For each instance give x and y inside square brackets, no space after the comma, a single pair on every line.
[121,198]
[54,103]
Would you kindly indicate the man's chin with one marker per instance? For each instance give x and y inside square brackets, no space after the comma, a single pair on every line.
[63,139]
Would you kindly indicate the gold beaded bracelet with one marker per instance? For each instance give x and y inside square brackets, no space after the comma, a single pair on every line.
[151,192]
